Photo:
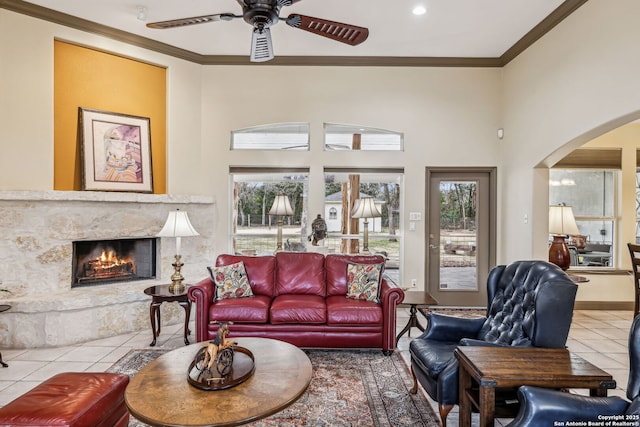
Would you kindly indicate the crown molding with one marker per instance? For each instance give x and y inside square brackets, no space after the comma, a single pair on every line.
[557,16]
[546,25]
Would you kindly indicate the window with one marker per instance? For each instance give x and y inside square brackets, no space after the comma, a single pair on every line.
[592,194]
[285,136]
[384,186]
[254,230]
[351,137]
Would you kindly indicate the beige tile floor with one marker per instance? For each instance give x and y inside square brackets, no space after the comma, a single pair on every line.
[598,336]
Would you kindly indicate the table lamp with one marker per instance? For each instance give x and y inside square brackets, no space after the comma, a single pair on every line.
[561,223]
[178,226]
[280,207]
[365,208]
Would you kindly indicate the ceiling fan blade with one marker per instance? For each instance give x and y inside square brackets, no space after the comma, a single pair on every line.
[345,33]
[261,48]
[175,23]
[287,2]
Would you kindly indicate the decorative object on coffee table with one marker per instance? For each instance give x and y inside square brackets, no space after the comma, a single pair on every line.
[280,207]
[232,366]
[178,226]
[365,208]
[115,151]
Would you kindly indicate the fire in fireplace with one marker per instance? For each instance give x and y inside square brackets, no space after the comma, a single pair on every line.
[108,261]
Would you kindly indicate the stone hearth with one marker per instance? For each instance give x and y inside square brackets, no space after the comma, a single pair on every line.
[38,229]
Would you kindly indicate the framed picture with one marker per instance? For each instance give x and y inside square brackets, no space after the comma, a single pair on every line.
[115,151]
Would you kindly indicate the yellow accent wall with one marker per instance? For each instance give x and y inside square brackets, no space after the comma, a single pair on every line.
[90,78]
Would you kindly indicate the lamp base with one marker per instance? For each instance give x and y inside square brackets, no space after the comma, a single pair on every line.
[176,286]
[559,252]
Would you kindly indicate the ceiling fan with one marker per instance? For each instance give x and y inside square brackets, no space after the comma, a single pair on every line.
[262,14]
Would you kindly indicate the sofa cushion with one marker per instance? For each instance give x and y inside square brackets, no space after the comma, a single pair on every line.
[261,271]
[298,309]
[245,310]
[231,281]
[336,270]
[348,311]
[300,273]
[363,281]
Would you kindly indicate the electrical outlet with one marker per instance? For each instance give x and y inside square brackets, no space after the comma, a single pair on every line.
[414,283]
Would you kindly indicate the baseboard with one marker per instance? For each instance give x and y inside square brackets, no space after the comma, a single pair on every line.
[604,305]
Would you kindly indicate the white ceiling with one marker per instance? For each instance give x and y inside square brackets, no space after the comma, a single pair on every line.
[450,28]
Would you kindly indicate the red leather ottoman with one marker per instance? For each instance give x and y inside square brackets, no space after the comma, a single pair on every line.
[71,399]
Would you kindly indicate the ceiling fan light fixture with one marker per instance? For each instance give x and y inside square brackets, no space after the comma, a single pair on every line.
[261,47]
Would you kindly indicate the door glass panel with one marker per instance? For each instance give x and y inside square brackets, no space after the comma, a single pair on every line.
[458,235]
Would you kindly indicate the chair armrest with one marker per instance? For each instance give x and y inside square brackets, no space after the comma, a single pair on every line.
[480,343]
[441,327]
[390,297]
[541,407]
[202,294]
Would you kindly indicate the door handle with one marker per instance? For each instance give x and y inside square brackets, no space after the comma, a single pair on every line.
[431,246]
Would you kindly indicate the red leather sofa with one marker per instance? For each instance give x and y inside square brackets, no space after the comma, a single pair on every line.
[300,298]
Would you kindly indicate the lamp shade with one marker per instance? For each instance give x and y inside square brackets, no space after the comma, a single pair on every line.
[178,225]
[281,206]
[562,221]
[365,208]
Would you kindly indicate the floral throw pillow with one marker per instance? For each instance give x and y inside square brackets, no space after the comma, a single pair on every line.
[363,281]
[231,281]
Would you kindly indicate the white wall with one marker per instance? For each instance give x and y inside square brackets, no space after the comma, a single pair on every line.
[435,108]
[577,82]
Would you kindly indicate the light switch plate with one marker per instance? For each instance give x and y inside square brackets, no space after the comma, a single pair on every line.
[415,216]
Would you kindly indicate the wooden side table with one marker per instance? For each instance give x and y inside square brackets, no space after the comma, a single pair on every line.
[160,294]
[416,301]
[3,307]
[485,369]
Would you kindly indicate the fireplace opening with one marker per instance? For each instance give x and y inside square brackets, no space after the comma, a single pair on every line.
[109,261]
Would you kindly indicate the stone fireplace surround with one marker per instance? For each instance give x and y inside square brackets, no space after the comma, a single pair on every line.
[38,228]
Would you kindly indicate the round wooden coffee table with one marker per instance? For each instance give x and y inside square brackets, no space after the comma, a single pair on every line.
[160,394]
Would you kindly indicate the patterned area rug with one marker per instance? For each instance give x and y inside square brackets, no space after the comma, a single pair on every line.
[348,388]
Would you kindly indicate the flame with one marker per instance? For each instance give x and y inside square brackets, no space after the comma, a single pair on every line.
[109,259]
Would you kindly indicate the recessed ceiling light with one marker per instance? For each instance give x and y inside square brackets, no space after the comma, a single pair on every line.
[419,10]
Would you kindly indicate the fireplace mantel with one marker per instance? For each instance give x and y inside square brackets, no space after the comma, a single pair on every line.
[39,228]
[101,196]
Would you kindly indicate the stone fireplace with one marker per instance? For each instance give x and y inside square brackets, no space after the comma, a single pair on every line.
[39,232]
[111,261]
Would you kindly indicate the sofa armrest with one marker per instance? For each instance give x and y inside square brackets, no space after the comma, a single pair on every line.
[202,294]
[441,327]
[541,406]
[390,297]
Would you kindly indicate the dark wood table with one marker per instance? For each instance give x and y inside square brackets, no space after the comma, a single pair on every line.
[160,294]
[160,395]
[485,369]
[416,301]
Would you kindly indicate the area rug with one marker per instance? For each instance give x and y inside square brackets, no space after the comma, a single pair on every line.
[348,388]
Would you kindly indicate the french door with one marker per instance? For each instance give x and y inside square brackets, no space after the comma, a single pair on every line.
[460,239]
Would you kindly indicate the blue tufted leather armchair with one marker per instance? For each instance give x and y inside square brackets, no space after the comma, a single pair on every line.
[541,407]
[531,305]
